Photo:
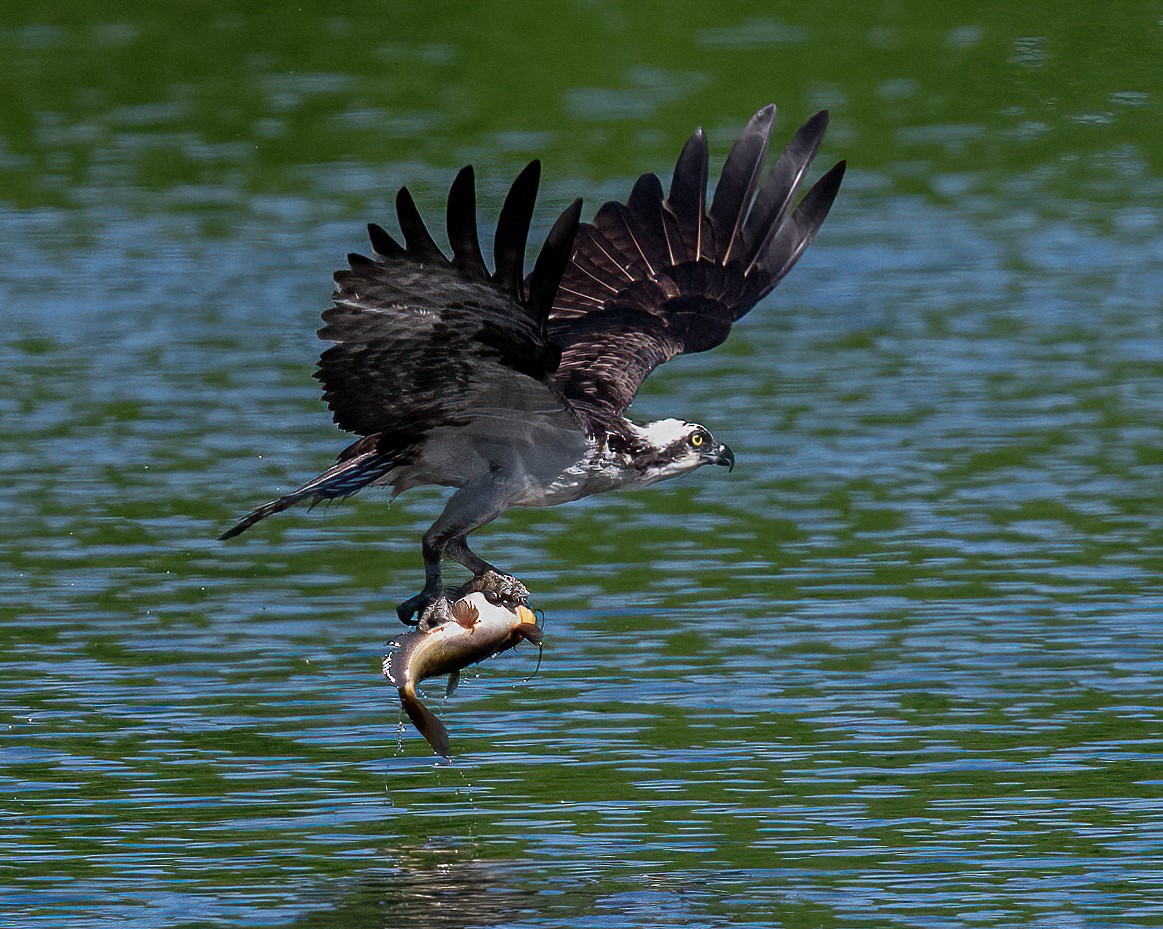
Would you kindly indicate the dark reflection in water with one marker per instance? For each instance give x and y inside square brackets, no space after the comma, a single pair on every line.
[902,668]
[435,886]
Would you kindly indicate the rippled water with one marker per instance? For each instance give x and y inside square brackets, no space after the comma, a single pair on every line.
[901,668]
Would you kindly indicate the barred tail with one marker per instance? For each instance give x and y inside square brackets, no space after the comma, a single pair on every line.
[347,477]
[262,512]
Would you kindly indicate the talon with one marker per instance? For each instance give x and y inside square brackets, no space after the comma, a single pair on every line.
[407,610]
[436,613]
[500,589]
[419,606]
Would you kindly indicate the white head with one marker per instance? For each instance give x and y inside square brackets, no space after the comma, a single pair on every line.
[674,447]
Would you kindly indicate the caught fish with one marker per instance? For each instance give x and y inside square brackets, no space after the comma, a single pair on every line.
[477,630]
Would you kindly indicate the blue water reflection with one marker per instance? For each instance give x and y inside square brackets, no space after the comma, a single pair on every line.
[901,668]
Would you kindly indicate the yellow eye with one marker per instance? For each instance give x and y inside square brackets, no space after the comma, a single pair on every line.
[697,439]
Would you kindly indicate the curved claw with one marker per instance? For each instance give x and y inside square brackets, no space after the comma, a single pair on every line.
[436,613]
[420,606]
[409,608]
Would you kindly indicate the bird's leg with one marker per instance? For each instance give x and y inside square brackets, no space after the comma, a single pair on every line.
[499,588]
[458,551]
[430,607]
[469,508]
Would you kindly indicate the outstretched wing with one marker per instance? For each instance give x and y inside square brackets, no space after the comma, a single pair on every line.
[657,277]
[428,348]
[424,342]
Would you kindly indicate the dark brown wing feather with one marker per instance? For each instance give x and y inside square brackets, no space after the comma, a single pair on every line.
[417,336]
[422,342]
[653,278]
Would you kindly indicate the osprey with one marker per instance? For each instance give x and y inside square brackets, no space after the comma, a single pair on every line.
[513,389]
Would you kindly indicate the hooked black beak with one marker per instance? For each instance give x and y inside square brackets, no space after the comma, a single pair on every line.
[723,456]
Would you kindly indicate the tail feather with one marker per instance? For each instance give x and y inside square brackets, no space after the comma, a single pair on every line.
[259,513]
[342,480]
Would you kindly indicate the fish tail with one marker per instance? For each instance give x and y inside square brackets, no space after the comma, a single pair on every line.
[426,722]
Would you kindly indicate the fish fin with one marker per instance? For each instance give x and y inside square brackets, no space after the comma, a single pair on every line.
[453,680]
[465,613]
[426,722]
[396,660]
[531,633]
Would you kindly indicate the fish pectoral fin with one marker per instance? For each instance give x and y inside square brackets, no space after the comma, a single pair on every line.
[453,680]
[531,633]
[425,722]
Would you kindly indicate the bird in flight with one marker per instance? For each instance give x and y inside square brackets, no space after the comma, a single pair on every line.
[512,388]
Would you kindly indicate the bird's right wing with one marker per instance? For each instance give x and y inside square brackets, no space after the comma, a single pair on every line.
[424,342]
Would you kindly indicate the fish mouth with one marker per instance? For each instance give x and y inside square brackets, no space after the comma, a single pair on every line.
[723,456]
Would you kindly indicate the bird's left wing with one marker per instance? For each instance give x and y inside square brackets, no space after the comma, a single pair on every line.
[424,342]
[657,276]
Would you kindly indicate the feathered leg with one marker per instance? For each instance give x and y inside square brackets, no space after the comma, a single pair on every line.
[468,509]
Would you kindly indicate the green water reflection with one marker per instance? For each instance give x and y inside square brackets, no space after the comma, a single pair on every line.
[902,668]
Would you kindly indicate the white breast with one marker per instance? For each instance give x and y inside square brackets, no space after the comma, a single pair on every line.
[598,471]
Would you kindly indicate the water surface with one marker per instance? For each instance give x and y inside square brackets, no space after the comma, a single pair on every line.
[901,668]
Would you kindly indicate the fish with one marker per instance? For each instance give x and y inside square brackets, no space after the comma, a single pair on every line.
[477,629]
